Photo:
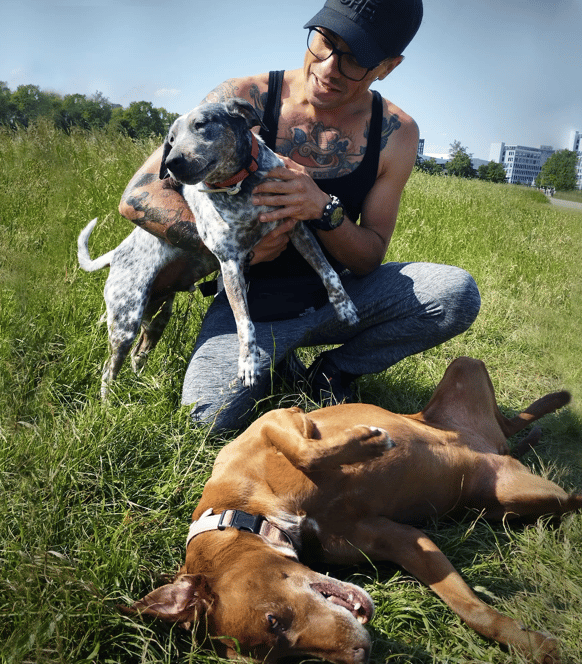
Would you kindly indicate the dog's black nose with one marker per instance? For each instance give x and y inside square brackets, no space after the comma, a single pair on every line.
[177,165]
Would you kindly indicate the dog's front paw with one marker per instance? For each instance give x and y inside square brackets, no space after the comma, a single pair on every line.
[374,440]
[248,370]
[347,312]
[542,647]
[363,443]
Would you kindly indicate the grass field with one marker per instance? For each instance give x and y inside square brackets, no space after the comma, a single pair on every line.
[575,196]
[95,499]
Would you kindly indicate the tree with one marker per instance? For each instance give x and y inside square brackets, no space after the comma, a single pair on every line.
[7,108]
[30,103]
[455,147]
[80,111]
[430,166]
[141,119]
[460,163]
[492,172]
[98,111]
[559,171]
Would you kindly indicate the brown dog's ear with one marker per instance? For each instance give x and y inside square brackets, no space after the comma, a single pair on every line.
[185,600]
[238,106]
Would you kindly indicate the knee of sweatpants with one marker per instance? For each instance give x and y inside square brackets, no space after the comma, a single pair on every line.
[460,299]
[218,399]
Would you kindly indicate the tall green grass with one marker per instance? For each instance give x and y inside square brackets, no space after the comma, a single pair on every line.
[95,499]
[575,195]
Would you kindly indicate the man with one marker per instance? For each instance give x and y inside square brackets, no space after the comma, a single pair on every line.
[348,154]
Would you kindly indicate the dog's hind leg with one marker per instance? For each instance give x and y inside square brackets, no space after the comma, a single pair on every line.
[125,309]
[154,322]
[465,398]
[547,404]
[120,341]
[506,489]
[379,538]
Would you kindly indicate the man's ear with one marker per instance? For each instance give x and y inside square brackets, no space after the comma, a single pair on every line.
[185,600]
[388,66]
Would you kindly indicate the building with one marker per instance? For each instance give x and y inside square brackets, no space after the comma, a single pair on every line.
[420,146]
[522,164]
[576,146]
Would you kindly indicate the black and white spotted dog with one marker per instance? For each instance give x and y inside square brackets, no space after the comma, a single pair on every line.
[218,161]
[145,274]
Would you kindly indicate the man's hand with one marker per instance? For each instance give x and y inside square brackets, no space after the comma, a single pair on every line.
[273,244]
[294,192]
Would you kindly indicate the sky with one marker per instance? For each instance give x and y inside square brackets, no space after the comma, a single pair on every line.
[477,72]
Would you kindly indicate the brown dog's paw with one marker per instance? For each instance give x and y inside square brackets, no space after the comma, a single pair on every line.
[372,441]
[544,647]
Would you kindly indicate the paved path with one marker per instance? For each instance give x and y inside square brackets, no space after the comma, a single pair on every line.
[562,203]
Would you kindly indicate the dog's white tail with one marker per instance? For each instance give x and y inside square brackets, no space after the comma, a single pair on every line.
[83,251]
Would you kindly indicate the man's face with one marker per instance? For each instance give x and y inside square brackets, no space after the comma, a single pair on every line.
[326,87]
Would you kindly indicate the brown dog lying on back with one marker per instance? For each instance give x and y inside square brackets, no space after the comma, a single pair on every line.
[340,485]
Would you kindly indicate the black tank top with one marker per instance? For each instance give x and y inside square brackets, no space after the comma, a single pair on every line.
[287,286]
[352,188]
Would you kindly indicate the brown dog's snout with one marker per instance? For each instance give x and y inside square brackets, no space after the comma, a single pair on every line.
[361,655]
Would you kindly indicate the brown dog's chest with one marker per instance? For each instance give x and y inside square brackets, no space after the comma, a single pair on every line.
[251,476]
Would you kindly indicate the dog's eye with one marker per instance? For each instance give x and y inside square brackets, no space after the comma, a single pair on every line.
[199,125]
[273,622]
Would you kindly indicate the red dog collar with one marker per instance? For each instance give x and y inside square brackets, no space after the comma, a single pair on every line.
[244,172]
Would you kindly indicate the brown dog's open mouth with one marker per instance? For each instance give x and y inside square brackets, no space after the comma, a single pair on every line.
[356,601]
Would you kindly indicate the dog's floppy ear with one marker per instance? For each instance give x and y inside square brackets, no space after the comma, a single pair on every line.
[238,106]
[184,601]
[164,173]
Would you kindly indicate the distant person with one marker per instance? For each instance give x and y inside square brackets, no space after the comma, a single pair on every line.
[348,154]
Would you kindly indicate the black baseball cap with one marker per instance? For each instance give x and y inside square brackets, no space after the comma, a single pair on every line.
[373,29]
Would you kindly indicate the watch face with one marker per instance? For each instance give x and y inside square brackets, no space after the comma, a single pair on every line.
[336,216]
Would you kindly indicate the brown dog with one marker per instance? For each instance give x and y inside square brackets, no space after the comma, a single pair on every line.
[341,484]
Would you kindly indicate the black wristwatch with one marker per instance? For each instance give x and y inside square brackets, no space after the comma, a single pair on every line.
[332,217]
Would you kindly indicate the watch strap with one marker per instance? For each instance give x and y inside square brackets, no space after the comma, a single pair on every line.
[332,217]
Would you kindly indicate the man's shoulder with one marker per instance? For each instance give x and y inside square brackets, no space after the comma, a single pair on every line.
[394,118]
[250,88]
[399,140]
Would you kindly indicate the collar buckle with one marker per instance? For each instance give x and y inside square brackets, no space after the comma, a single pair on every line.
[241,521]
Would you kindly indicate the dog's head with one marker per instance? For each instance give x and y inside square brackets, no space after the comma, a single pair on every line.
[265,605]
[210,143]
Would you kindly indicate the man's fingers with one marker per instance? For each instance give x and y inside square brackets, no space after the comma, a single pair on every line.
[282,173]
[276,215]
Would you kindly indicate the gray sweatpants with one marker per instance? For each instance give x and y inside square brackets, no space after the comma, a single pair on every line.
[404,308]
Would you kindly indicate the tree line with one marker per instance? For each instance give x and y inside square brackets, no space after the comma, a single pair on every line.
[558,172]
[460,164]
[28,103]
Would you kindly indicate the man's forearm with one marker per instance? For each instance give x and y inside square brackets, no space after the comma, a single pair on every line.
[360,249]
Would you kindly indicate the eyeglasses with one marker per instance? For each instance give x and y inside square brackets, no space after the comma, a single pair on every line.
[321,46]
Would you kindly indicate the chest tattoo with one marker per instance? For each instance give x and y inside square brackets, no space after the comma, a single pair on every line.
[324,150]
